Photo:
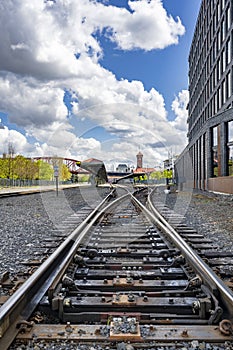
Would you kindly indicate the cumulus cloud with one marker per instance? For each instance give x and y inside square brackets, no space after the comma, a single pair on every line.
[15,139]
[119,101]
[77,148]
[30,102]
[179,106]
[51,48]
[147,26]
[50,36]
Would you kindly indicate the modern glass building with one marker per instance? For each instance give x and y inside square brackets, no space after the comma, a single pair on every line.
[210,108]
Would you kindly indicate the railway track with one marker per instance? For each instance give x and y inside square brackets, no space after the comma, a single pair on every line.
[128,277]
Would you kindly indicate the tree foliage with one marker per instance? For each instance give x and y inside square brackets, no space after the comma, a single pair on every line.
[65,174]
[23,168]
[4,169]
[165,174]
[45,171]
[84,178]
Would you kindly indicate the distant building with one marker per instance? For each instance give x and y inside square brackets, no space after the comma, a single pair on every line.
[144,170]
[139,168]
[168,164]
[139,160]
[122,168]
[207,161]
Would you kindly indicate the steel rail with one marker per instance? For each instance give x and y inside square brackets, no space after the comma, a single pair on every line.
[79,234]
[22,303]
[207,275]
[54,267]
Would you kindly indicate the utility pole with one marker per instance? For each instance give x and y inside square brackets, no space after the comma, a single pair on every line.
[11,152]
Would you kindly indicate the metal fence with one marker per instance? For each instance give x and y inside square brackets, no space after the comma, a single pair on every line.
[27,183]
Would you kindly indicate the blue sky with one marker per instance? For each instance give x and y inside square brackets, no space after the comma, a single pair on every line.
[98,79]
[166,70]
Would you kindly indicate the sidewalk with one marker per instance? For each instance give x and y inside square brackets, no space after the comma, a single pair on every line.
[35,189]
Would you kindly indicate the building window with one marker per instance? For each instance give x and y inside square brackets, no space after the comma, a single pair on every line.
[211,83]
[223,61]
[230,148]
[230,160]
[223,4]
[218,11]
[230,131]
[215,103]
[218,70]
[215,151]
[219,105]
[228,18]
[223,33]
[219,40]
[228,53]
[214,49]
[211,108]
[224,92]
[204,160]
[228,84]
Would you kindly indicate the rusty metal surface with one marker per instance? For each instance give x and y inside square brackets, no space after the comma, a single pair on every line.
[143,333]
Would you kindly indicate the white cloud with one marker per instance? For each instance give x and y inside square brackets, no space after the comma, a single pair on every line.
[76,148]
[138,118]
[42,38]
[15,139]
[119,101]
[30,102]
[179,106]
[148,27]
[49,47]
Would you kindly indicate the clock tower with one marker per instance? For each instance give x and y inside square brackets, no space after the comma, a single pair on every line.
[139,160]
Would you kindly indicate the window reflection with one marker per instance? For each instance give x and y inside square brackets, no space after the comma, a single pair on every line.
[215,151]
[230,160]
[230,131]
[230,148]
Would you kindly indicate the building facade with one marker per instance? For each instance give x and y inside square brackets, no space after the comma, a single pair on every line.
[139,160]
[207,161]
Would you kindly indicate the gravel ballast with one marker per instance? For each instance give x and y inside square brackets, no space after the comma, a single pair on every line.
[209,213]
[27,220]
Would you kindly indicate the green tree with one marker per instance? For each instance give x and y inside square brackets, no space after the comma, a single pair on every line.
[4,169]
[19,167]
[156,175]
[167,174]
[84,178]
[65,174]
[45,171]
[23,168]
